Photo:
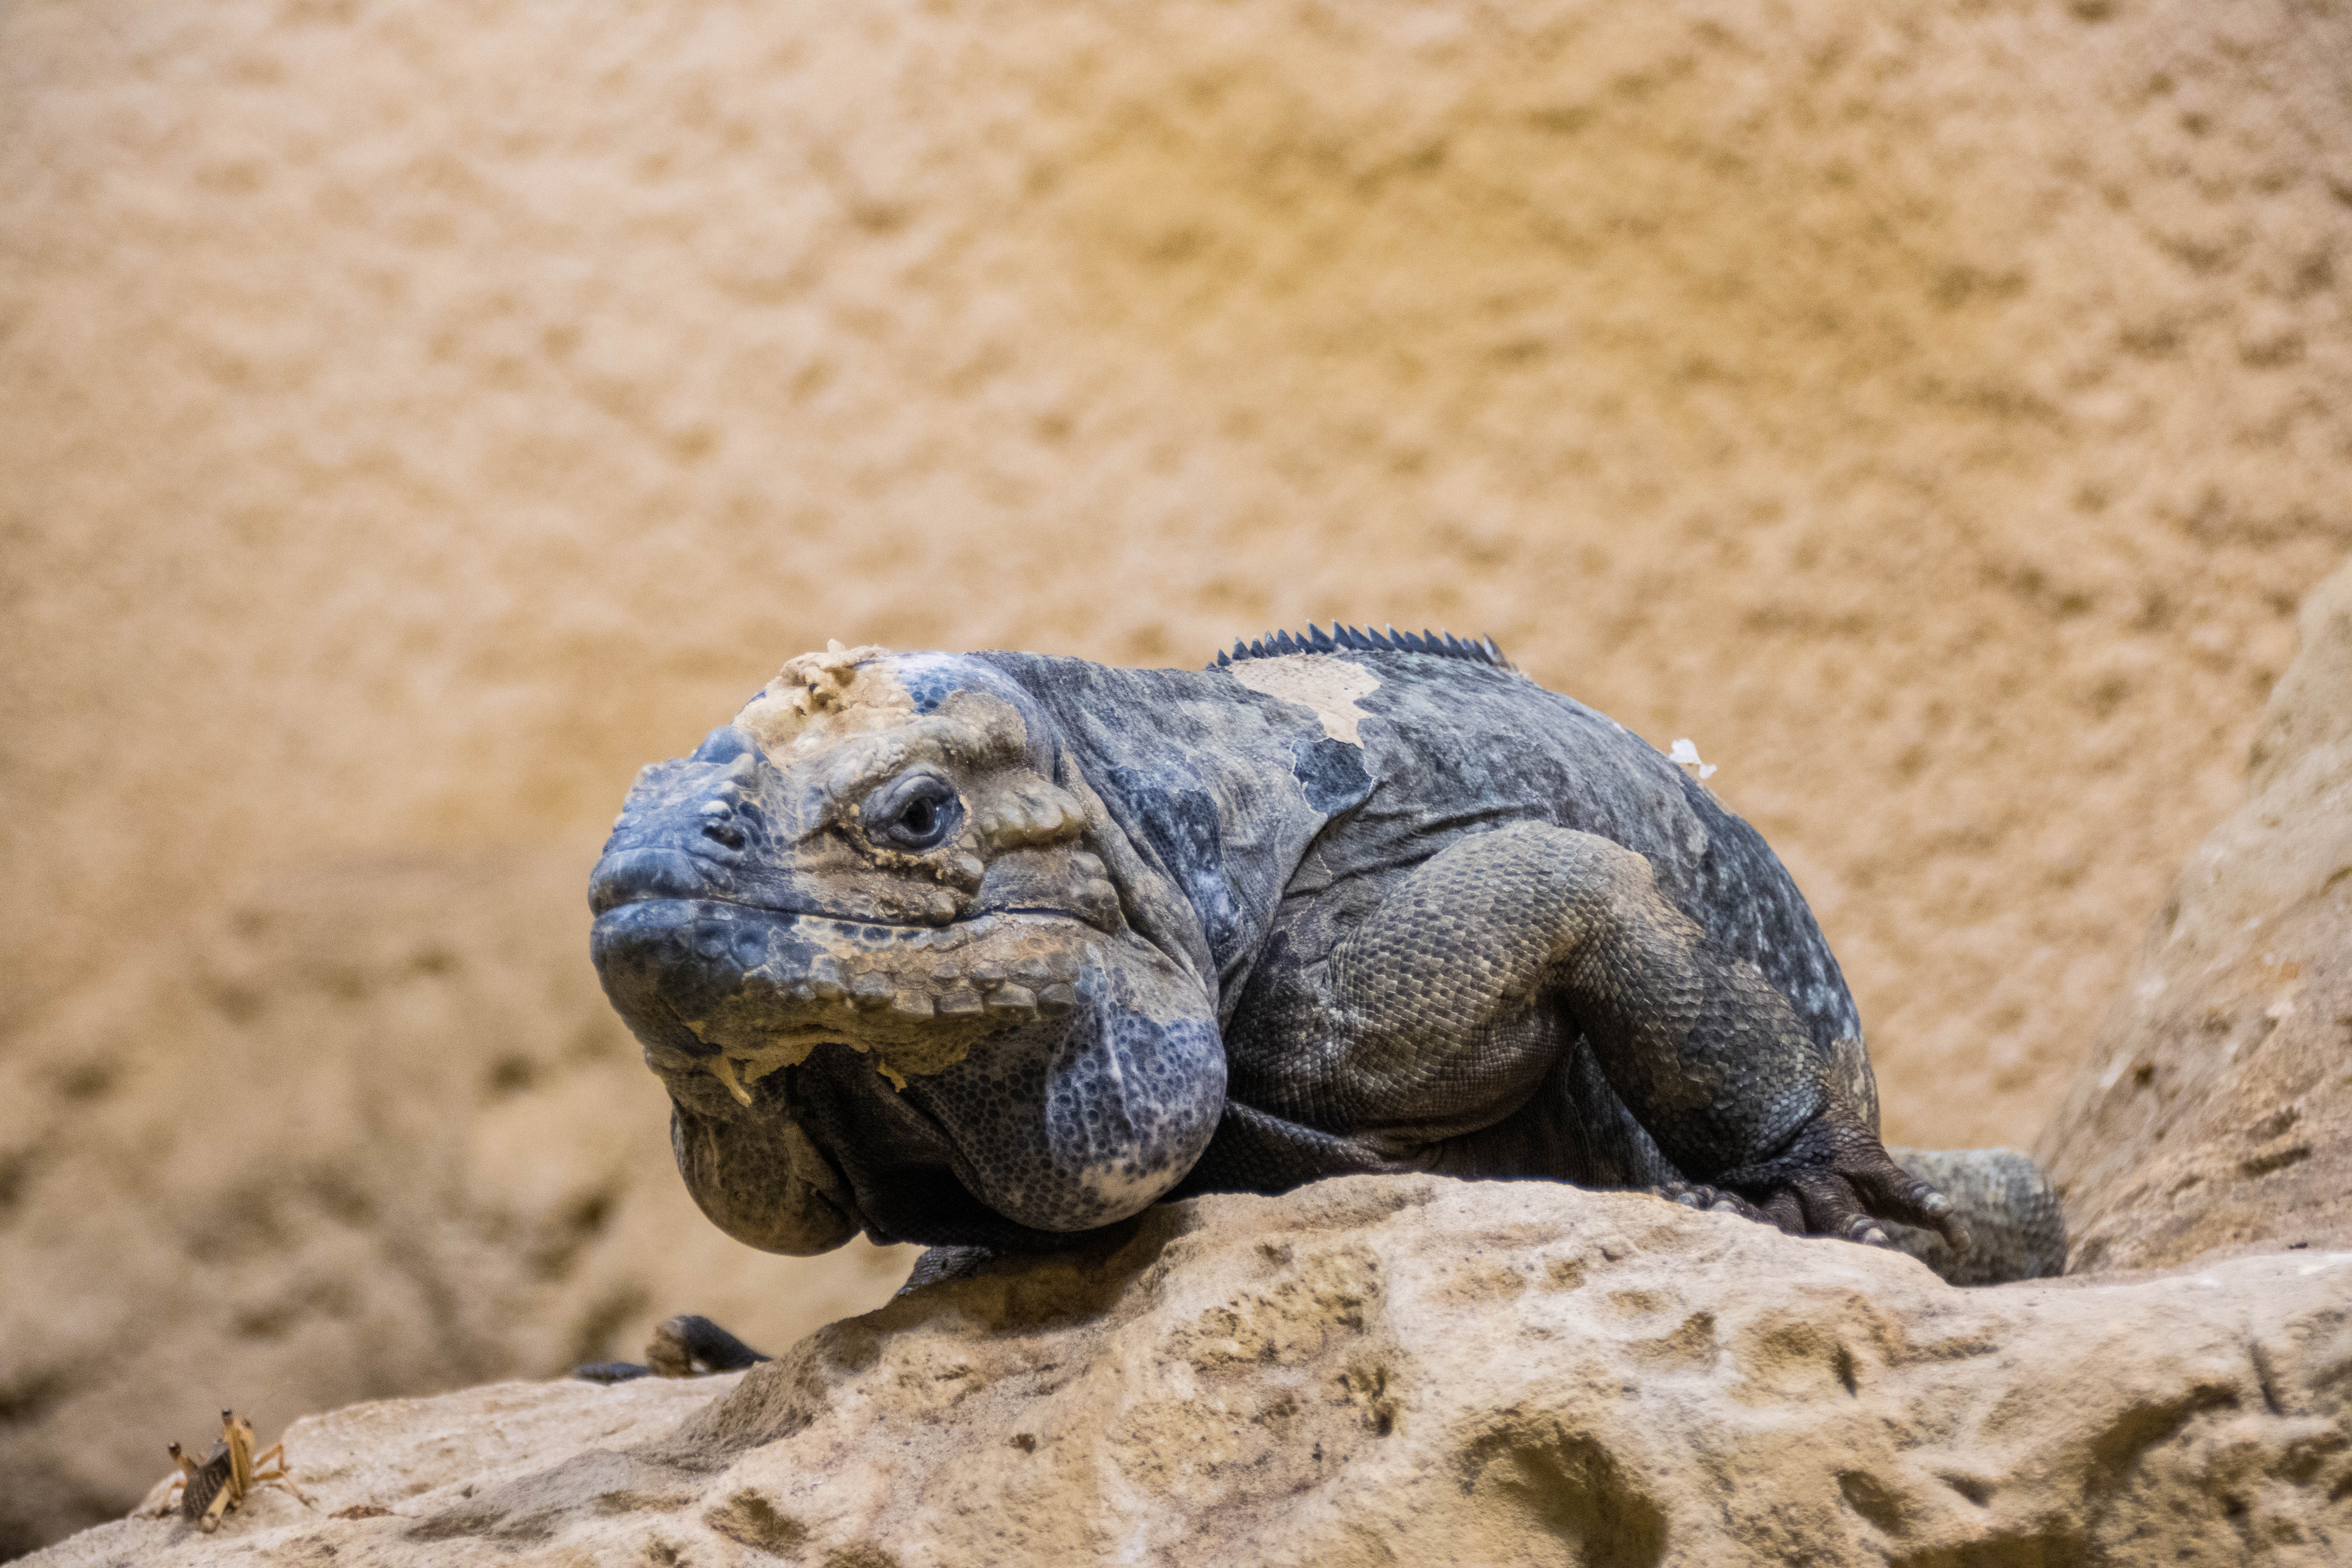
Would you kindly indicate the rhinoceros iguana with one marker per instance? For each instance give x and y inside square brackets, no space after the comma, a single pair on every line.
[988,949]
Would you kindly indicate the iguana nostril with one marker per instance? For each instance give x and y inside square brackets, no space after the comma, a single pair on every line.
[719,823]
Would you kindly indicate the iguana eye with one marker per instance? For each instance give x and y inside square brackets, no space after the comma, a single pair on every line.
[913,811]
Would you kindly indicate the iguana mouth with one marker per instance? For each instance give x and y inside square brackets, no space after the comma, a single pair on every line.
[648,874]
[744,990]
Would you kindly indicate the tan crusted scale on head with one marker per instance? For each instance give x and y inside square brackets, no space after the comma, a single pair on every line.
[821,696]
[1026,813]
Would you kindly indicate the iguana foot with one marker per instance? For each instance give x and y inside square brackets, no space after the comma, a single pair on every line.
[688,1345]
[939,1264]
[1838,1180]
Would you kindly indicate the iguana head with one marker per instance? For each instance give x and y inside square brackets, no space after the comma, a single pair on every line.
[870,934]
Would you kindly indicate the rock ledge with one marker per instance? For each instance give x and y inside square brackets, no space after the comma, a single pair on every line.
[1378,1370]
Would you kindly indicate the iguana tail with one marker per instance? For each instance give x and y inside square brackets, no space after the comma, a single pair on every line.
[2014,1228]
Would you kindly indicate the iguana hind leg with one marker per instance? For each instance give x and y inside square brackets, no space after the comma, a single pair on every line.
[1434,992]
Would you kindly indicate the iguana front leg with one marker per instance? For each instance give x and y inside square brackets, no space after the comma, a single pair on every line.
[1435,992]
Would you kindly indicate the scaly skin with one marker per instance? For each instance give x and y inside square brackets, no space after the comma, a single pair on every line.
[984,950]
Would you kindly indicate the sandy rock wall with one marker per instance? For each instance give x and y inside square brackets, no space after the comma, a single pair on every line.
[413,419]
[418,419]
[2215,1108]
[1375,1371]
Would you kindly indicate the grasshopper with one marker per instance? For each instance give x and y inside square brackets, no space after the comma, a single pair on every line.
[211,1488]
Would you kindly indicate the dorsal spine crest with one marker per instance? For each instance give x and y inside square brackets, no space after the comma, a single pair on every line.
[1443,645]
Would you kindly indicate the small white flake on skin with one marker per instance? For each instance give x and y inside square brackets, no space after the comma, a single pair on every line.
[1686,753]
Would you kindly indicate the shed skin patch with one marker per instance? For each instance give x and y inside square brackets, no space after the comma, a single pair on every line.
[1326,683]
[820,698]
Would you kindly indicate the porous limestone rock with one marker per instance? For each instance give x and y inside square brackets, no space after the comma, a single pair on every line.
[1400,1370]
[2215,1110]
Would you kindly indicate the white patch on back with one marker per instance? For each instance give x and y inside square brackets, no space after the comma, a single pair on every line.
[1324,682]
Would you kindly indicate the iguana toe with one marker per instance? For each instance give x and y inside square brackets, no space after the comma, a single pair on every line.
[1890,1192]
[1714,1200]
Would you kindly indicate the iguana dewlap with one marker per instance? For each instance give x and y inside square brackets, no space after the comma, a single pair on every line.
[988,949]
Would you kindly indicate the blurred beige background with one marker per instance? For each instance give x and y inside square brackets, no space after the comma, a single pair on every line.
[414,417]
